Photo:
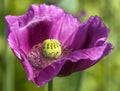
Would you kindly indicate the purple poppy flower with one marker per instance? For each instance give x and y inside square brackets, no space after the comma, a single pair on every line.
[50,42]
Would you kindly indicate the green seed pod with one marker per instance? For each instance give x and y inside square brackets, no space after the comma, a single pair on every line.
[51,48]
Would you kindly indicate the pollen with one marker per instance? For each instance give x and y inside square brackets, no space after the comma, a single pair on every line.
[51,48]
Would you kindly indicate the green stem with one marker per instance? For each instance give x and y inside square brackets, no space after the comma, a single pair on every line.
[4,68]
[79,83]
[9,72]
[50,86]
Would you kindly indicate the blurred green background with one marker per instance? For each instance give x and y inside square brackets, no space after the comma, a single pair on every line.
[104,76]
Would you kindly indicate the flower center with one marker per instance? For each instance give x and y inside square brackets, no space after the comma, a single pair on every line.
[43,55]
[51,48]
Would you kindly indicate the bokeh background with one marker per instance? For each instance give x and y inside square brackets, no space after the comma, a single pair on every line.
[104,76]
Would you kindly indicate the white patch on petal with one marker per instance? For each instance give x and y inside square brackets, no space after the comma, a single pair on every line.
[17,54]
